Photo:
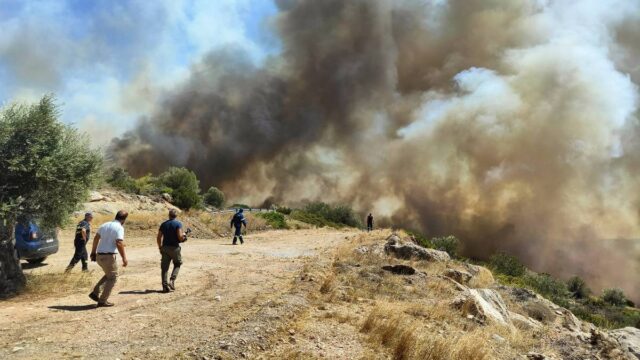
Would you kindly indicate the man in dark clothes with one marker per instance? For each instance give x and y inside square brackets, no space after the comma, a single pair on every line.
[369,222]
[238,220]
[83,232]
[169,237]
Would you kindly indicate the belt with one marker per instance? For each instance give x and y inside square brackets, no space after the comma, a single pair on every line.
[106,253]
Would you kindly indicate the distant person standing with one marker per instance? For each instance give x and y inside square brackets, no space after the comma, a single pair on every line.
[237,221]
[83,234]
[369,222]
[108,239]
[169,237]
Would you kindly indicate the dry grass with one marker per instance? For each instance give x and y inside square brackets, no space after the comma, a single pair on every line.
[407,339]
[41,284]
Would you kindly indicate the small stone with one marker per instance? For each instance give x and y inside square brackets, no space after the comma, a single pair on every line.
[218,298]
[292,332]
[16,349]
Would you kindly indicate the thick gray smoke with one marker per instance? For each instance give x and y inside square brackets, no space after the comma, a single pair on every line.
[511,124]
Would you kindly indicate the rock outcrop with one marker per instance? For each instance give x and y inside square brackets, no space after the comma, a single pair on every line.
[408,250]
[629,339]
[462,277]
[483,305]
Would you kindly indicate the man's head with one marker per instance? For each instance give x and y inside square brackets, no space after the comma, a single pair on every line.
[88,217]
[240,211]
[173,213]
[122,216]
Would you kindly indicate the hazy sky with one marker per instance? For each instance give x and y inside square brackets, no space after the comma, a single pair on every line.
[106,61]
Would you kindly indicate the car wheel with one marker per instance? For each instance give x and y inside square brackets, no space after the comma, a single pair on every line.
[36,261]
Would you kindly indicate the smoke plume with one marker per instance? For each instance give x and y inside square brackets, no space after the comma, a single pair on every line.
[511,124]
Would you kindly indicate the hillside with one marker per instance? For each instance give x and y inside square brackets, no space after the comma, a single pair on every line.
[290,294]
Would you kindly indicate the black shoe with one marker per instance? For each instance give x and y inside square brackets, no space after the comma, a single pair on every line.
[94,297]
[85,270]
[165,289]
[172,285]
[241,241]
[105,304]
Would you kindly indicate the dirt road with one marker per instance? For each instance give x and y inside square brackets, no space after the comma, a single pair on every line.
[229,300]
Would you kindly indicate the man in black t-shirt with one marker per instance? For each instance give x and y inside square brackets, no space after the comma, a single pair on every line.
[170,235]
[83,233]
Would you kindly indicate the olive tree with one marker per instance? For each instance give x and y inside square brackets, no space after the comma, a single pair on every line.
[46,170]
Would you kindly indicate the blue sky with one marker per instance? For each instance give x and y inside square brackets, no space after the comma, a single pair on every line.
[107,60]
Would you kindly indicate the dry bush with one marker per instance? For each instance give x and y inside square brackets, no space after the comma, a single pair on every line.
[483,279]
[219,223]
[41,284]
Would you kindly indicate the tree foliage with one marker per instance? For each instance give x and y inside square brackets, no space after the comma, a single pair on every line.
[184,187]
[46,167]
[214,197]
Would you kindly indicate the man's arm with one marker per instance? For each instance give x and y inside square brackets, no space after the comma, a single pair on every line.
[120,246]
[84,235]
[181,236]
[94,247]
[159,239]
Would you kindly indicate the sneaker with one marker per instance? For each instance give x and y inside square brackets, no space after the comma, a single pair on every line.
[85,270]
[172,285]
[105,304]
[94,297]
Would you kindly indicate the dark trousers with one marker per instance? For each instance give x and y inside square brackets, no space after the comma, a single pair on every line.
[79,255]
[238,234]
[369,227]
[170,254]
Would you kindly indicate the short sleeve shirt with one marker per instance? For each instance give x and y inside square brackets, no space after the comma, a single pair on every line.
[109,233]
[169,230]
[83,225]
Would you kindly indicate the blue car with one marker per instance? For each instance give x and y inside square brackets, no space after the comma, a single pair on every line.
[33,244]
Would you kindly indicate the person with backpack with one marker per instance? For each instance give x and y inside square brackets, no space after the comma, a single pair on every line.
[237,221]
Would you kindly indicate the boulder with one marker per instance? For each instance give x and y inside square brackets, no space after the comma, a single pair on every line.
[524,322]
[462,277]
[629,339]
[484,305]
[167,197]
[399,249]
[95,196]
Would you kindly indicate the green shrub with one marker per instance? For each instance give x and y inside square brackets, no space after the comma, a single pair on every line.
[548,286]
[312,219]
[284,210]
[184,185]
[507,265]
[214,197]
[450,244]
[614,297]
[121,180]
[274,219]
[578,288]
[340,214]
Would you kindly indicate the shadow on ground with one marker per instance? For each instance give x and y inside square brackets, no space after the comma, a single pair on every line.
[140,292]
[73,307]
[27,266]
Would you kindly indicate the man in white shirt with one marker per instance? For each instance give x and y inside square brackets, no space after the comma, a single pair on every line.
[108,239]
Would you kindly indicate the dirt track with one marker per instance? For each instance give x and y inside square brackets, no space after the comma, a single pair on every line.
[227,298]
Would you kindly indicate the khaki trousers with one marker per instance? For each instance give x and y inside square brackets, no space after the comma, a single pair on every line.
[109,265]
